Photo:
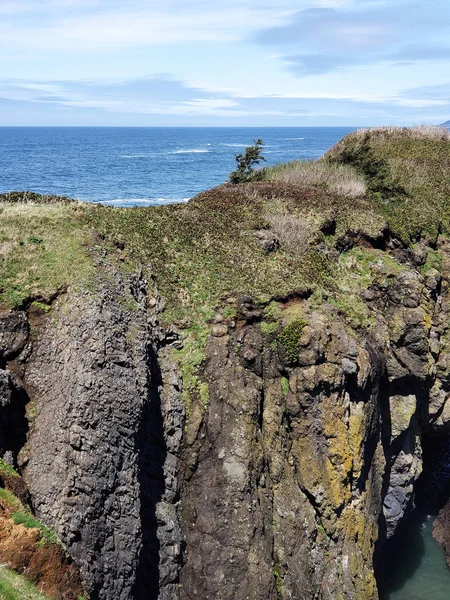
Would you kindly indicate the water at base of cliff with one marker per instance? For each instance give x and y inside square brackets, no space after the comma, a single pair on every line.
[413,563]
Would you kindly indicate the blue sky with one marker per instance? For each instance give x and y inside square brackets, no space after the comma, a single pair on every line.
[224,62]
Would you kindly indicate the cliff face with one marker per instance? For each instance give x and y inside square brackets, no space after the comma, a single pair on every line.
[257,433]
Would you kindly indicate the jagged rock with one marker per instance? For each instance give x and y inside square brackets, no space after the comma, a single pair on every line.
[441,530]
[98,447]
[13,333]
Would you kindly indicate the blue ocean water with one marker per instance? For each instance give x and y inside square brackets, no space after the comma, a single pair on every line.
[127,166]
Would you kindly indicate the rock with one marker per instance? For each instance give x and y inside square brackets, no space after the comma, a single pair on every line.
[441,530]
[402,410]
[14,332]
[268,240]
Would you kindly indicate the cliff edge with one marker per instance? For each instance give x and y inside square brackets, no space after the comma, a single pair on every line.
[228,399]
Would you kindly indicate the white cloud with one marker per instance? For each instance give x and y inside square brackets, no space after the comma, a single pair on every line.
[112,24]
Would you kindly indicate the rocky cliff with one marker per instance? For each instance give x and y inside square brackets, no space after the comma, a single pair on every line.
[228,399]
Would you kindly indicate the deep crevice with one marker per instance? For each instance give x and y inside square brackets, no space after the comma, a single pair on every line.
[152,454]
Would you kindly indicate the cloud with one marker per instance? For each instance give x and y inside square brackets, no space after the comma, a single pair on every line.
[103,24]
[314,64]
[330,39]
[163,97]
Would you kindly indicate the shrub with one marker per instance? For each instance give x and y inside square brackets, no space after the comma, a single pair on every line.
[246,162]
[294,233]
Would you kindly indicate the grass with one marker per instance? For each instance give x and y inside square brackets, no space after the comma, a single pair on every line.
[7,469]
[289,339]
[342,180]
[28,520]
[11,500]
[16,587]
[42,248]
[407,176]
[202,254]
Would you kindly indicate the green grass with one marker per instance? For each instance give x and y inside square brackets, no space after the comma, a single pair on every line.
[7,469]
[43,248]
[16,587]
[28,520]
[11,500]
[407,177]
[202,254]
[289,339]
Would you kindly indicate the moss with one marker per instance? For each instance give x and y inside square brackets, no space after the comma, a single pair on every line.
[285,385]
[434,261]
[269,328]
[289,339]
[41,306]
[279,580]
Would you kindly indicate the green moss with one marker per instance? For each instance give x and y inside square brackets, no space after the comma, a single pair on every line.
[434,261]
[269,328]
[285,385]
[279,580]
[289,339]
[41,306]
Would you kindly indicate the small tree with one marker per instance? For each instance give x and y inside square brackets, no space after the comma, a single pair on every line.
[246,162]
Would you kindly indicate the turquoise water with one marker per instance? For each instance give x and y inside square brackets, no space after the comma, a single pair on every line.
[414,566]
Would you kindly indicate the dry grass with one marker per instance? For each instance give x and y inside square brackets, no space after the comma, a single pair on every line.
[341,180]
[419,132]
[294,233]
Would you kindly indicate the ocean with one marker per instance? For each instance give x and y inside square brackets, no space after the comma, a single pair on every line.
[127,166]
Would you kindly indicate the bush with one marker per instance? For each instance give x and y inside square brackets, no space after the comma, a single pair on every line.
[246,162]
[294,233]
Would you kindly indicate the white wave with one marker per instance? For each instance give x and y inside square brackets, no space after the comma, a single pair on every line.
[142,201]
[235,145]
[292,139]
[193,151]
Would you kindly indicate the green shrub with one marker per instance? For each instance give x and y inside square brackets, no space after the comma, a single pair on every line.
[289,339]
[246,162]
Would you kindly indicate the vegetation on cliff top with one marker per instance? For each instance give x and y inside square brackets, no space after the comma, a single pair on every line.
[290,233]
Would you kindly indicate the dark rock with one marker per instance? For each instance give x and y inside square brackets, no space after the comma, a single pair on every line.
[14,332]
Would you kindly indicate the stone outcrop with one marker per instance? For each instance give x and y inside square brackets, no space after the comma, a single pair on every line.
[283,480]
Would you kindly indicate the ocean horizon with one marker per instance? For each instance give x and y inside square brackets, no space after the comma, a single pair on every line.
[136,166]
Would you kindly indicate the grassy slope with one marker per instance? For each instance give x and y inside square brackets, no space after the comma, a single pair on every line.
[16,587]
[205,252]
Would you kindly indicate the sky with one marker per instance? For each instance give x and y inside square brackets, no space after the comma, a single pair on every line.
[224,62]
